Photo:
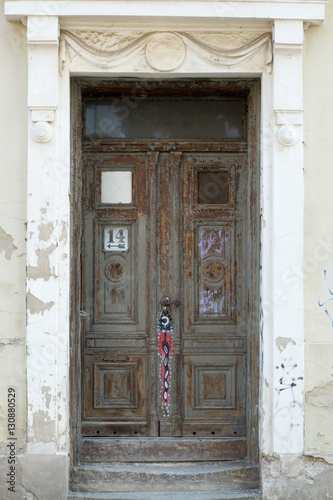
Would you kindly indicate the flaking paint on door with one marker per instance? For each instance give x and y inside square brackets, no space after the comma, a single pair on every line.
[183,245]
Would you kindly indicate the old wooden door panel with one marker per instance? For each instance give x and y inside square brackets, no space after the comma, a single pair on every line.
[163,449]
[114,299]
[179,227]
[214,270]
[199,260]
[168,279]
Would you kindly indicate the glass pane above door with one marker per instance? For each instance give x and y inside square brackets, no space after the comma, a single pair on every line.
[165,119]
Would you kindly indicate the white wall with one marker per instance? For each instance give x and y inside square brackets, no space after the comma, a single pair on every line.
[13,167]
[318,235]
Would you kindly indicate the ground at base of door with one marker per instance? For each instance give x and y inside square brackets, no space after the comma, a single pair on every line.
[169,495]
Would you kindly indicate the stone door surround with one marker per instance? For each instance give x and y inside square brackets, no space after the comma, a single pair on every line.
[161,40]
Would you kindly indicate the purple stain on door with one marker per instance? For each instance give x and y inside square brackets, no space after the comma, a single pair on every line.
[212,242]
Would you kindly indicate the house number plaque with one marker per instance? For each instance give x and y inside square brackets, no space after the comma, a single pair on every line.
[115,239]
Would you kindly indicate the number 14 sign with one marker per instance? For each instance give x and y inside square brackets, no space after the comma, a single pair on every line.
[115,239]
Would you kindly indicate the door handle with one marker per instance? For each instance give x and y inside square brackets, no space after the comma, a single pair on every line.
[83,314]
[165,301]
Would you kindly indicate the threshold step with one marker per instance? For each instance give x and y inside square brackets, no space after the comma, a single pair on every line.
[191,478]
[169,495]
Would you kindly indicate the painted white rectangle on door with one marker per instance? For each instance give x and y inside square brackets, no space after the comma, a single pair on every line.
[116,187]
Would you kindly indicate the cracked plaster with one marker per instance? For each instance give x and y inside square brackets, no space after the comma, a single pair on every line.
[6,244]
[294,477]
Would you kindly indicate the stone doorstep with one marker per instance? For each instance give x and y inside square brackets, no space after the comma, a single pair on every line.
[201,478]
[167,495]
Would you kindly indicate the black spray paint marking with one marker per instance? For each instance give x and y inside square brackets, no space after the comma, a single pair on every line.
[291,407]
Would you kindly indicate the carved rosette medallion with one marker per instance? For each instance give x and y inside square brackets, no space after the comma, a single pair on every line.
[115,271]
[42,131]
[288,135]
[165,51]
[213,270]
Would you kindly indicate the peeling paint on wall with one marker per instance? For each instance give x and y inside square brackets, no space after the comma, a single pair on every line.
[45,231]
[46,392]
[35,305]
[63,234]
[43,427]
[6,244]
[321,396]
[282,342]
[43,268]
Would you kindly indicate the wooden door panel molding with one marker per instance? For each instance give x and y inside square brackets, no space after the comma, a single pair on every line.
[115,390]
[114,429]
[122,297]
[115,385]
[214,294]
[214,343]
[215,388]
[163,449]
[219,176]
[214,300]
[107,342]
[122,164]
[116,294]
[215,428]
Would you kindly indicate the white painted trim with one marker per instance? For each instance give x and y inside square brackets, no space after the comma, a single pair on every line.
[309,11]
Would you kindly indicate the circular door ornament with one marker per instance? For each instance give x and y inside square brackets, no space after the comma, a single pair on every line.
[213,270]
[165,51]
[115,271]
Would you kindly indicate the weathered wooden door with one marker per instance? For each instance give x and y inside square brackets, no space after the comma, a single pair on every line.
[165,227]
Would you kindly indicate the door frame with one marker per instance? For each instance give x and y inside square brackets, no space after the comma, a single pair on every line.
[232,86]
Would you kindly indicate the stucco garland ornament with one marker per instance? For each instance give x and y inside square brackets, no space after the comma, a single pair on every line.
[164,51]
[165,350]
[288,135]
[42,131]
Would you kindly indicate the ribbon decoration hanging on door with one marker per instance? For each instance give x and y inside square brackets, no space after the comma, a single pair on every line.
[165,350]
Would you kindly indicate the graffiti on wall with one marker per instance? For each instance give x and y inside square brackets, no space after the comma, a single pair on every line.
[325,299]
[287,406]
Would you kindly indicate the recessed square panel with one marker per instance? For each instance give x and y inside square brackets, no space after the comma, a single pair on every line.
[213,188]
[116,187]
[214,386]
[115,385]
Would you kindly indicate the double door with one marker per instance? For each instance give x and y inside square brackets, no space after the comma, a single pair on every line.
[165,228]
